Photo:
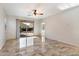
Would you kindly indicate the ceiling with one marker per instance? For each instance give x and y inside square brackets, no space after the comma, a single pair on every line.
[26,9]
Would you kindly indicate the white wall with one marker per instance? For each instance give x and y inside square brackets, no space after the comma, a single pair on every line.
[2,27]
[11,27]
[64,26]
[37,26]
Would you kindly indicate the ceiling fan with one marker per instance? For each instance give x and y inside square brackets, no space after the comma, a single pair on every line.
[36,13]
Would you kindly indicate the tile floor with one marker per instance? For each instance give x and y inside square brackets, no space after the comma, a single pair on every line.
[47,48]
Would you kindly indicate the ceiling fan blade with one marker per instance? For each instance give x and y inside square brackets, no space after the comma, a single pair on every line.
[39,13]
